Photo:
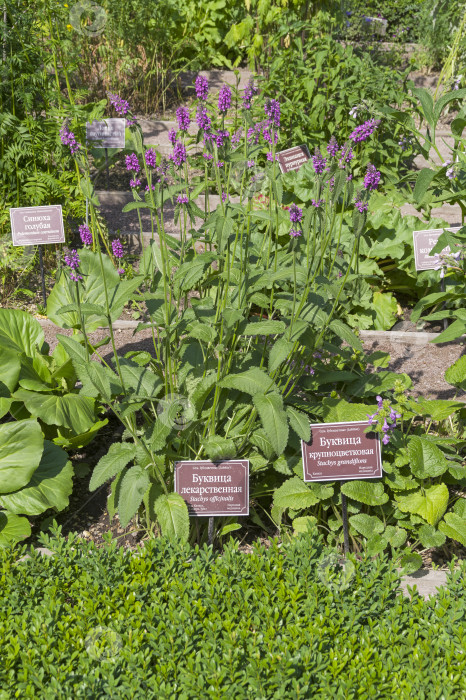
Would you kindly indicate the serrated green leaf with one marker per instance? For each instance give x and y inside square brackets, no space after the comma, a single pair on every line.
[430,536]
[367,525]
[294,494]
[370,493]
[430,503]
[454,526]
[252,382]
[274,419]
[172,514]
[426,459]
[116,459]
[134,485]
[300,423]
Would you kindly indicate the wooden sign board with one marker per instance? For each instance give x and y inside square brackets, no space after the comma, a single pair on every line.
[109,133]
[423,242]
[341,451]
[214,488]
[37,225]
[293,158]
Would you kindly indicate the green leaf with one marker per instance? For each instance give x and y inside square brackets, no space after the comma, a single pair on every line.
[70,410]
[140,380]
[454,526]
[344,332]
[20,332]
[439,409]
[279,352]
[21,446]
[370,493]
[427,104]
[218,448]
[13,529]
[274,419]
[252,382]
[116,459]
[430,503]
[430,536]
[134,484]
[294,494]
[229,528]
[385,306]
[50,486]
[300,423]
[410,562]
[303,524]
[367,525]
[172,514]
[340,411]
[423,181]
[11,366]
[263,328]
[456,374]
[189,273]
[426,459]
[445,99]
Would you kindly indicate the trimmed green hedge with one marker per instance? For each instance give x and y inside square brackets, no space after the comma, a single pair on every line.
[172,622]
[403,16]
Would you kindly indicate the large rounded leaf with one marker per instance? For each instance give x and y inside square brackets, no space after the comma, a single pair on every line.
[172,514]
[21,445]
[50,486]
[19,331]
[72,411]
[12,529]
[10,364]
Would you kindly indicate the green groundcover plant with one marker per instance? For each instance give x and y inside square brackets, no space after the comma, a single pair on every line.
[293,620]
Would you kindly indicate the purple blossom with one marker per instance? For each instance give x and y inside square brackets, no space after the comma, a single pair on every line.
[132,163]
[349,177]
[172,136]
[270,156]
[346,155]
[379,400]
[360,205]
[332,147]
[220,164]
[121,271]
[203,120]
[224,196]
[147,188]
[296,214]
[295,233]
[254,132]
[236,137]
[183,118]
[179,154]
[117,248]
[319,162]
[224,99]
[86,235]
[249,91]
[135,183]
[122,108]
[202,87]
[371,178]
[72,259]
[221,138]
[363,131]
[251,163]
[68,139]
[182,199]
[272,110]
[151,158]
[207,156]
[317,203]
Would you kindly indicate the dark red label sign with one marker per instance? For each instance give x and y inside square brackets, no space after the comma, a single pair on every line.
[424,241]
[293,158]
[109,133]
[37,225]
[341,451]
[214,488]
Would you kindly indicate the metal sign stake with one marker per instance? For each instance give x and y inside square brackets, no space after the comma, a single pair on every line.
[442,289]
[210,531]
[106,166]
[344,514]
[41,263]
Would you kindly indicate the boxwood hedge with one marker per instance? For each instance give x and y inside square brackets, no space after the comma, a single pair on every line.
[167,621]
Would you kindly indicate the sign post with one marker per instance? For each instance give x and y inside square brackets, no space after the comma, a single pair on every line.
[109,133]
[37,226]
[342,452]
[423,242]
[293,158]
[214,488]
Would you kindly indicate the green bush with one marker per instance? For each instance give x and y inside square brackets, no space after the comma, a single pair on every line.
[168,621]
[402,15]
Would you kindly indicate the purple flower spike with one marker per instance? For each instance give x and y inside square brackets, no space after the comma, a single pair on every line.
[346,155]
[172,136]
[295,233]
[360,205]
[249,91]
[183,118]
[386,439]
[117,249]
[224,99]
[135,183]
[319,162]
[332,147]
[371,178]
[68,139]
[363,131]
[202,118]
[121,271]
[272,110]
[86,235]
[179,154]
[132,163]
[296,214]
[202,87]
[182,199]
[72,260]
[151,158]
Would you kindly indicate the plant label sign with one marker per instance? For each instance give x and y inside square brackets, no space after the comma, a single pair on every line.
[109,133]
[214,488]
[293,158]
[37,225]
[424,241]
[341,451]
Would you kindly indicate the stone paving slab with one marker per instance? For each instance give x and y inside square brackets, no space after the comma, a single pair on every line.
[427,581]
